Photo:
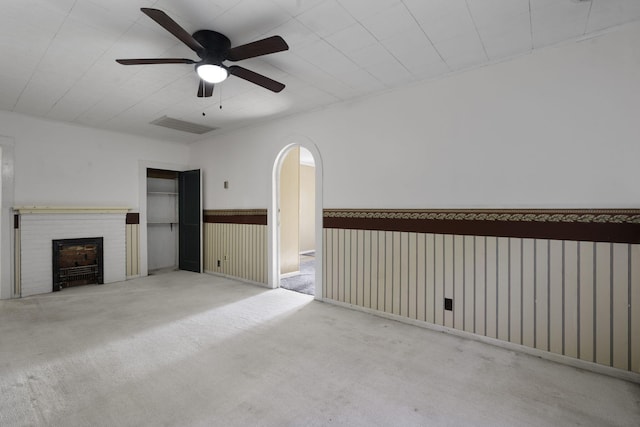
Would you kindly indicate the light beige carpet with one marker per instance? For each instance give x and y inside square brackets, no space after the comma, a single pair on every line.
[186,349]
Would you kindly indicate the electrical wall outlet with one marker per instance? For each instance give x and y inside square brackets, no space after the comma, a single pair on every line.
[218,263]
[448,304]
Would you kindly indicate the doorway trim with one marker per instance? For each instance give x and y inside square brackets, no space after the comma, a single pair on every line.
[7,248]
[272,216]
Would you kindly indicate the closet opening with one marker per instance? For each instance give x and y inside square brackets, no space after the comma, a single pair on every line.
[174,221]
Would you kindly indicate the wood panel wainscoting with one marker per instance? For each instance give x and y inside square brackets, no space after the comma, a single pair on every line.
[566,282]
[133,244]
[236,244]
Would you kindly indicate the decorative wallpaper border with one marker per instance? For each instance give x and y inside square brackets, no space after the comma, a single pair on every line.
[540,215]
[600,225]
[236,216]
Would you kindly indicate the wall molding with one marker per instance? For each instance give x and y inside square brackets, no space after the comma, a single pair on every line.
[597,225]
[235,216]
[23,210]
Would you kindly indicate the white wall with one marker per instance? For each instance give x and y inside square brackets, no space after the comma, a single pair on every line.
[58,164]
[557,128]
[61,164]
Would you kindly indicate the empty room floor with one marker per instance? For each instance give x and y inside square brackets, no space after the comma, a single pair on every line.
[188,349]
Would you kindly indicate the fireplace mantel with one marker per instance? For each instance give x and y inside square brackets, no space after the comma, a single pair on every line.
[70,210]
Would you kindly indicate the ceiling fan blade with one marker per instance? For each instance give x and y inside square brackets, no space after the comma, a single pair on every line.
[144,61]
[205,89]
[258,48]
[256,78]
[173,27]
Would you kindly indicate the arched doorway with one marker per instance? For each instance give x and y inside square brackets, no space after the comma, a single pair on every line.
[275,230]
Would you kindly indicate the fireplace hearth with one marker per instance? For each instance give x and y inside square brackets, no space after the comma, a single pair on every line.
[77,262]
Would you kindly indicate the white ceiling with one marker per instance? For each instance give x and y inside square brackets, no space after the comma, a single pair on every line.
[58,55]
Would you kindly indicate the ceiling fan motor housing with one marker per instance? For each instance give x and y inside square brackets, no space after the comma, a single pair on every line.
[216,46]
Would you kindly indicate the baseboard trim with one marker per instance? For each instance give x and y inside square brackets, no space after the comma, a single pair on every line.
[238,279]
[558,358]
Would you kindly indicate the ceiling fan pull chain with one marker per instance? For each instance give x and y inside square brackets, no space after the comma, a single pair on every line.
[220,92]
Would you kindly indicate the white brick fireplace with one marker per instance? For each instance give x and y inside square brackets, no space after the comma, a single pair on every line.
[39,226]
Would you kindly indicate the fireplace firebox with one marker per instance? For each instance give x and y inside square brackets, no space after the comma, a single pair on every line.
[77,262]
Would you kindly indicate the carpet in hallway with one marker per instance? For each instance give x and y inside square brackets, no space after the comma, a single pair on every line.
[303,282]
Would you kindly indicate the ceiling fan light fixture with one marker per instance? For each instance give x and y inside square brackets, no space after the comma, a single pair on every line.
[212,73]
[213,48]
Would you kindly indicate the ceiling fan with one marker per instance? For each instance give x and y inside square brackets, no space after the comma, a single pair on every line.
[213,49]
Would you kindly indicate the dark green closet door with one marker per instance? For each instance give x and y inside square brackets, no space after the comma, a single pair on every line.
[190,215]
